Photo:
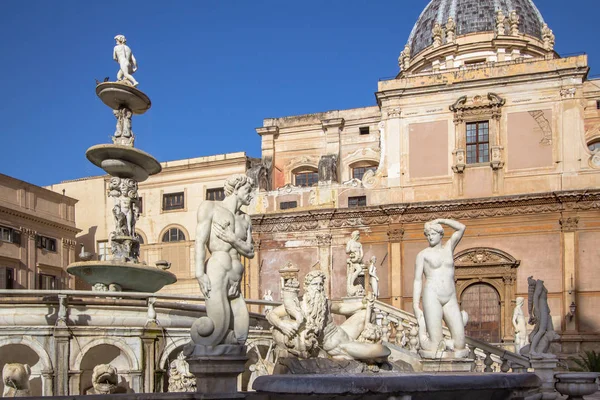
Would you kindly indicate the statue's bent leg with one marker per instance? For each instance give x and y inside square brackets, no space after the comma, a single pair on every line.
[241,319]
[454,320]
[368,352]
[355,324]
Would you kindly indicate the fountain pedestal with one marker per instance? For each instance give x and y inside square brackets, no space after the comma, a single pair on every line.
[216,367]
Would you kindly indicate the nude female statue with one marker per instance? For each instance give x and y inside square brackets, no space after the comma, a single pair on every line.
[518,321]
[439,293]
[226,232]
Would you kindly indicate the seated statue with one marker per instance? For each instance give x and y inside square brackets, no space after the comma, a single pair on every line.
[15,378]
[305,328]
[104,380]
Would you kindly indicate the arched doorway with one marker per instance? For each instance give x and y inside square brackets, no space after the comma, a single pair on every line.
[482,302]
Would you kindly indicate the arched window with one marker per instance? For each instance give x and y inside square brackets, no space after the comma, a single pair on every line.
[306,177]
[141,239]
[173,235]
[594,145]
[482,303]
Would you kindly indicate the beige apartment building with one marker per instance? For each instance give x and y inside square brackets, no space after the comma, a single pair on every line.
[37,236]
[169,202]
[486,124]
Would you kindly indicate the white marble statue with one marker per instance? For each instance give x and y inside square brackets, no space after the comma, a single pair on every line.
[513,19]
[226,232]
[518,321]
[354,265]
[104,380]
[500,23]
[436,263]
[373,278]
[15,378]
[127,62]
[305,327]
[180,377]
[123,133]
[539,315]
[268,296]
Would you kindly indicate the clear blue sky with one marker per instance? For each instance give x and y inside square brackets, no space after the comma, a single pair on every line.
[213,70]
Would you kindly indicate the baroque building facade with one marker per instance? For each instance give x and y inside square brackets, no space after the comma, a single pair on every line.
[484,123]
[37,236]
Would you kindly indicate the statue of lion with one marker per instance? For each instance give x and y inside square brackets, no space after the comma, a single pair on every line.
[104,380]
[15,377]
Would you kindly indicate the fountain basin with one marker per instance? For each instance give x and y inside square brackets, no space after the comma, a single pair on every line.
[123,161]
[131,277]
[118,95]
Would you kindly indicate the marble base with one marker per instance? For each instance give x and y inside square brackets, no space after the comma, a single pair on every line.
[216,367]
[545,369]
[448,365]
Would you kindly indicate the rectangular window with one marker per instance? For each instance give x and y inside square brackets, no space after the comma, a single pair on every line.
[359,172]
[103,250]
[216,194]
[286,205]
[597,104]
[10,235]
[357,201]
[47,282]
[306,179]
[478,142]
[173,201]
[7,278]
[141,205]
[46,243]
[363,130]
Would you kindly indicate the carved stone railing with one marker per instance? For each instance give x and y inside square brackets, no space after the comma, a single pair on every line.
[402,326]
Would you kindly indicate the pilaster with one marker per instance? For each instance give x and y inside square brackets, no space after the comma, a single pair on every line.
[332,128]
[569,226]
[62,336]
[395,252]
[393,138]
[324,244]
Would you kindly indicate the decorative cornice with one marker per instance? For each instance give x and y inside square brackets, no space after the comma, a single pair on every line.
[38,220]
[541,203]
[268,130]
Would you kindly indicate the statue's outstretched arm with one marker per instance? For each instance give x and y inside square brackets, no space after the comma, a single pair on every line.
[346,309]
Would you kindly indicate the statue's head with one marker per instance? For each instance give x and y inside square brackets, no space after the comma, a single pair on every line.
[120,39]
[355,235]
[434,232]
[520,301]
[314,281]
[241,186]
[373,259]
[531,281]
[116,209]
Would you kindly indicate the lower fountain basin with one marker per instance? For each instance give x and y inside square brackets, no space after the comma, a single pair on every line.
[123,161]
[129,276]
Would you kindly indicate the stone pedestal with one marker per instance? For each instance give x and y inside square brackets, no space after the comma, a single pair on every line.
[216,367]
[545,368]
[447,365]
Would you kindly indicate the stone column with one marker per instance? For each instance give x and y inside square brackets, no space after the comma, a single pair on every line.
[62,337]
[324,243]
[75,382]
[568,226]
[395,273]
[508,307]
[47,386]
[149,357]
[393,138]
[137,384]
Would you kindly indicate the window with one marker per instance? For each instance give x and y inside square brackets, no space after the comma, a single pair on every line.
[173,235]
[10,235]
[7,278]
[46,243]
[363,130]
[478,142]
[216,194]
[47,282]
[359,172]
[103,250]
[306,179]
[597,104]
[286,205]
[141,205]
[357,201]
[173,201]
[594,146]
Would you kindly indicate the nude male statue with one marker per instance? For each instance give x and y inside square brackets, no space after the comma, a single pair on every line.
[518,321]
[354,264]
[439,294]
[305,327]
[127,62]
[226,232]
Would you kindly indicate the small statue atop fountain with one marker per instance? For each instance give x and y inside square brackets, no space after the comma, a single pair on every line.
[539,315]
[226,231]
[104,380]
[439,294]
[15,378]
[354,266]
[127,62]
[180,377]
[518,321]
[305,327]
[373,278]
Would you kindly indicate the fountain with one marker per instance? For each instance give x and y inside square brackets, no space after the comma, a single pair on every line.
[127,166]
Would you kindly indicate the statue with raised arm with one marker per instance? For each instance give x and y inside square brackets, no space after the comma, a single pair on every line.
[539,315]
[354,265]
[127,63]
[436,263]
[305,327]
[226,232]
[518,321]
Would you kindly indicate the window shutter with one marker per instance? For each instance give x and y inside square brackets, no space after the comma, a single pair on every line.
[2,277]
[16,237]
[38,241]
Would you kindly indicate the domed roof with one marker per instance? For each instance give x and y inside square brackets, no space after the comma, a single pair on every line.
[472,16]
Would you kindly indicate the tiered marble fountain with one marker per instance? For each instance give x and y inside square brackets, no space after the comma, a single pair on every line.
[127,166]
